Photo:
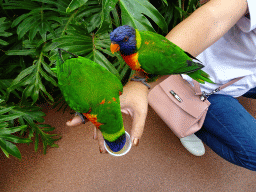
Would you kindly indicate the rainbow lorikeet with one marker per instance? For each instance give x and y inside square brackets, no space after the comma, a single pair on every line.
[154,54]
[93,91]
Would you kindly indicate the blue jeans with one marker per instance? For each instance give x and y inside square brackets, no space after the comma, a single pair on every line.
[230,131]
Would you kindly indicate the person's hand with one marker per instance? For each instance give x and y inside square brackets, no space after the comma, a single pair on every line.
[133,102]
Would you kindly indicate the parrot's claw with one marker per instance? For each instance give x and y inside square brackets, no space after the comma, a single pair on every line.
[141,79]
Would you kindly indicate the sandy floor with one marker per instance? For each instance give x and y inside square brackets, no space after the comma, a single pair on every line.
[159,163]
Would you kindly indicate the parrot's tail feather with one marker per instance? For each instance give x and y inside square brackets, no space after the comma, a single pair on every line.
[200,81]
[193,64]
[204,74]
[209,81]
[118,144]
[192,57]
[201,76]
[189,68]
[206,77]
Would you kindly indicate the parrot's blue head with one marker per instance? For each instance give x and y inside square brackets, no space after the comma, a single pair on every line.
[123,38]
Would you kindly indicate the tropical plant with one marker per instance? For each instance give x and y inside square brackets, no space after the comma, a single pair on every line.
[30,33]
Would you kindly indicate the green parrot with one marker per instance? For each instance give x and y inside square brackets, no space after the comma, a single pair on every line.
[154,54]
[93,91]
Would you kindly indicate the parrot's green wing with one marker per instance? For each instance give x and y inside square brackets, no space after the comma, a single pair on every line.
[167,58]
[86,82]
[91,89]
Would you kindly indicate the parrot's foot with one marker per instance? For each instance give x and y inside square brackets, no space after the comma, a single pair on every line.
[118,144]
[140,79]
[152,78]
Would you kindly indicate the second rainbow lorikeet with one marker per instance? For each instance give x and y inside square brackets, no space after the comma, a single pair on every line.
[154,54]
[93,91]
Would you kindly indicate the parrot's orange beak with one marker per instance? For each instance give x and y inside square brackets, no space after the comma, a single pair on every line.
[114,47]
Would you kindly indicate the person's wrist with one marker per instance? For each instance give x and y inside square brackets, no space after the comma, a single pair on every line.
[135,85]
[141,80]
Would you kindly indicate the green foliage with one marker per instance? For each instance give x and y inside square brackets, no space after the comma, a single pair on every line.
[6,136]
[30,33]
[4,26]
[134,13]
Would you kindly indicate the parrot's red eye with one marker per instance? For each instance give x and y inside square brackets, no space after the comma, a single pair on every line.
[126,38]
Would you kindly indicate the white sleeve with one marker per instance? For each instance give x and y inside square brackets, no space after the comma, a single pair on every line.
[248,24]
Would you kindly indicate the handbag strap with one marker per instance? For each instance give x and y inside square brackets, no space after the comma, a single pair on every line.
[199,92]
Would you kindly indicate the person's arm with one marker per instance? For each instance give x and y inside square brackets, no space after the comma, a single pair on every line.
[207,24]
[200,30]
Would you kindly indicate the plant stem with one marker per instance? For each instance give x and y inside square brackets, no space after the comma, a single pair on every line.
[69,20]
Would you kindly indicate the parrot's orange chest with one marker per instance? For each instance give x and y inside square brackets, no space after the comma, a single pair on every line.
[132,61]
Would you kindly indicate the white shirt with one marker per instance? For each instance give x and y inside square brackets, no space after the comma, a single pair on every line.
[232,56]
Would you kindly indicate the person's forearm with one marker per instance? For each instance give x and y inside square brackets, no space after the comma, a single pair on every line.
[207,25]
[151,84]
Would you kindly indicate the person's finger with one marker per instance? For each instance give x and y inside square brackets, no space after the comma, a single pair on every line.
[138,124]
[74,122]
[101,141]
[127,111]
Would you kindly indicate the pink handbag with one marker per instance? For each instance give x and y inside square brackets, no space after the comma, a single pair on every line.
[181,106]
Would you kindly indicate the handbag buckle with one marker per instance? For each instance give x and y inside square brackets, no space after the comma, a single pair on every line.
[176,96]
[205,95]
